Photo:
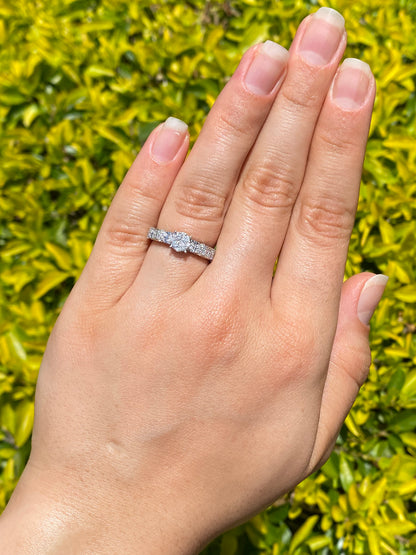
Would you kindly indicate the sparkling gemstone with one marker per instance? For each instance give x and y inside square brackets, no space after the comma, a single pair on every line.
[180,241]
[164,236]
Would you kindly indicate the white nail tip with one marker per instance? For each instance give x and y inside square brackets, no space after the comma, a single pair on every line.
[356,64]
[378,280]
[274,50]
[175,124]
[332,16]
[370,297]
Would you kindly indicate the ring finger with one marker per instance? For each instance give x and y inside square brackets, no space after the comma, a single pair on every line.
[200,195]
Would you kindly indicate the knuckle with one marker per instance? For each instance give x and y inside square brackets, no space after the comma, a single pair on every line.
[363,370]
[221,326]
[325,219]
[121,233]
[142,189]
[232,123]
[302,97]
[83,324]
[354,363]
[149,331]
[200,201]
[302,348]
[303,353]
[268,187]
[121,226]
[338,141]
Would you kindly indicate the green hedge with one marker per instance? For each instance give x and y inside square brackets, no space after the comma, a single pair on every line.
[82,83]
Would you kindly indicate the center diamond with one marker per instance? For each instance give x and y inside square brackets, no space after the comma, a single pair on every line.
[180,241]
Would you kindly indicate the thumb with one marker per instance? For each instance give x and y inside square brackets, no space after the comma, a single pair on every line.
[350,358]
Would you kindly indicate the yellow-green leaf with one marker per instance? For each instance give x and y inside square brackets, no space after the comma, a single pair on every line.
[303,533]
[24,422]
[30,114]
[396,528]
[373,542]
[406,293]
[318,542]
[50,280]
[60,255]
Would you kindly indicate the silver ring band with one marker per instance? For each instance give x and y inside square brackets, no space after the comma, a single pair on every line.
[181,242]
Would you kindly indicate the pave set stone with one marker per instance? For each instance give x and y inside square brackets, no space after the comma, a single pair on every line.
[180,241]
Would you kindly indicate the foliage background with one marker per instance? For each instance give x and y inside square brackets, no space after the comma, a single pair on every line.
[82,83]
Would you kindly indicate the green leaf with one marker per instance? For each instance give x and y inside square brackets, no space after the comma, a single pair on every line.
[30,114]
[375,493]
[113,136]
[96,71]
[12,98]
[374,542]
[303,533]
[60,255]
[16,345]
[354,497]
[229,544]
[397,381]
[6,451]
[405,421]
[318,542]
[24,422]
[386,231]
[406,294]
[7,418]
[346,472]
[409,438]
[408,488]
[50,280]
[409,387]
[394,528]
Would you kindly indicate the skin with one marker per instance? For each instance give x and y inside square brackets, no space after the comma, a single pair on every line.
[177,397]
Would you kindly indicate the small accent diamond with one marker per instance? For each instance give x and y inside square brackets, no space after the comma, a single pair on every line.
[164,236]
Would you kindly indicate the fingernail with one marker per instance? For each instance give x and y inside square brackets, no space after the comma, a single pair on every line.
[266,68]
[370,297]
[169,140]
[322,36]
[351,84]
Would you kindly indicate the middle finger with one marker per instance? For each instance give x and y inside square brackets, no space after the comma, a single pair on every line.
[259,214]
[200,195]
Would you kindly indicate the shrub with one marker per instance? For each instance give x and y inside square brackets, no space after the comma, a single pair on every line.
[83,82]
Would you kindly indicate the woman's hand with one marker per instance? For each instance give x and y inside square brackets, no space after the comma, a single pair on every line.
[178,397]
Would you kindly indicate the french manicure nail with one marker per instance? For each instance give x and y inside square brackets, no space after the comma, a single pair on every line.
[351,84]
[266,68]
[322,36]
[370,297]
[169,140]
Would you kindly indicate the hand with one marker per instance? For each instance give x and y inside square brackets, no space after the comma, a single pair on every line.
[178,397]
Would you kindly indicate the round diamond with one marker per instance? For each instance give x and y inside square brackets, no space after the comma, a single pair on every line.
[180,241]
